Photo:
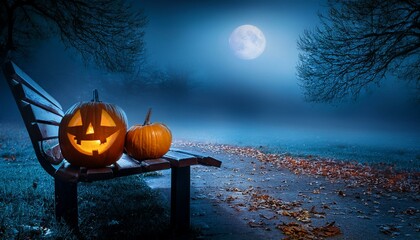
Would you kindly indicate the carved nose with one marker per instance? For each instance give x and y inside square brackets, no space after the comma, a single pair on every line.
[90,129]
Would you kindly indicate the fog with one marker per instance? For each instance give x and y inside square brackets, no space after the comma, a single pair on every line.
[187,41]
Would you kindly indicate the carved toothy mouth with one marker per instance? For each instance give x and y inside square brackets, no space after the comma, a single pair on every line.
[92,147]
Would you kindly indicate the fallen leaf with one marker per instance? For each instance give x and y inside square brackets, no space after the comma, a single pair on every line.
[295,231]
[254,224]
[316,213]
[9,157]
[230,199]
[268,218]
[341,193]
[328,230]
[411,211]
[389,230]
[302,215]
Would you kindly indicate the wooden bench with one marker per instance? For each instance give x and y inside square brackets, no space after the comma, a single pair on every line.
[42,115]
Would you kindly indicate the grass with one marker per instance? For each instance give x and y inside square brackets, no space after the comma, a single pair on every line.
[124,208]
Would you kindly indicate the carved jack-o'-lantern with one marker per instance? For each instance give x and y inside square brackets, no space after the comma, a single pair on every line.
[91,134]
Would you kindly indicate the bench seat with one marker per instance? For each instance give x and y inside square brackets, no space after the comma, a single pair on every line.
[42,115]
[127,165]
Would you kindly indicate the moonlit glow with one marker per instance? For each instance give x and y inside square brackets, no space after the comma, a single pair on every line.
[247,42]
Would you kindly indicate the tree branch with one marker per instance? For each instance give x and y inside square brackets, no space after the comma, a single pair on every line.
[357,44]
[105,32]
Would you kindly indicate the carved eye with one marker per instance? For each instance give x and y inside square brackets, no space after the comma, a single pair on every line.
[76,120]
[106,120]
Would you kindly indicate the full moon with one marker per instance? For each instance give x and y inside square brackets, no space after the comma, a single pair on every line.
[247,42]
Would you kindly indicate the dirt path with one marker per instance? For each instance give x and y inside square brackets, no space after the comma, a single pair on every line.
[250,199]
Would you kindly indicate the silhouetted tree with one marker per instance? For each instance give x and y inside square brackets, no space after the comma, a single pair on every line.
[358,44]
[150,77]
[177,81]
[108,33]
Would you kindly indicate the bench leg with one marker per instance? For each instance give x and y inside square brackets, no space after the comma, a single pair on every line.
[66,202]
[180,199]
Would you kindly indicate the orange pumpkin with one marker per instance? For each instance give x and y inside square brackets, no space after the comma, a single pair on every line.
[148,141]
[92,134]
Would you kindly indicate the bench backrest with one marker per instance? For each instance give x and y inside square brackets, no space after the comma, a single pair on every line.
[41,114]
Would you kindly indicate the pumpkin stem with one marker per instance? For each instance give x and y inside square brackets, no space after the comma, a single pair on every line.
[95,96]
[147,119]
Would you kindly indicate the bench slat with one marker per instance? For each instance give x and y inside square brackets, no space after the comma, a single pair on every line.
[43,131]
[180,159]
[14,71]
[24,93]
[209,161]
[37,114]
[127,166]
[202,159]
[68,173]
[54,155]
[155,164]
[95,174]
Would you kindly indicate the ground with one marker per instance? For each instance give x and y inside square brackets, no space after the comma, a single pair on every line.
[254,195]
[249,198]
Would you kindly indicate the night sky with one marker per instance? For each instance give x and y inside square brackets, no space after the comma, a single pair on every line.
[191,37]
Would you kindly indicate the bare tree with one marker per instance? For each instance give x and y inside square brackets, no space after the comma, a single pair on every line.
[360,43]
[150,76]
[178,81]
[108,33]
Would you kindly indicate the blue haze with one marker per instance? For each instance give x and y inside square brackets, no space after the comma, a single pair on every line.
[256,102]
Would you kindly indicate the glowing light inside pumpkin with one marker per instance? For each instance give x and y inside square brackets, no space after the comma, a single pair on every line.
[106,120]
[76,120]
[90,129]
[90,147]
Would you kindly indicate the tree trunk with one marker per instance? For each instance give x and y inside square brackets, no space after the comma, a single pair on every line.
[5,55]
